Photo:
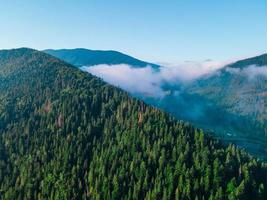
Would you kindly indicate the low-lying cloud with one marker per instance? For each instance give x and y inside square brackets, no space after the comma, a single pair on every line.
[135,80]
[148,81]
[251,71]
[190,70]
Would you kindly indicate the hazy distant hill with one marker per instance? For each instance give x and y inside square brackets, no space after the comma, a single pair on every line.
[232,102]
[239,88]
[65,134]
[85,57]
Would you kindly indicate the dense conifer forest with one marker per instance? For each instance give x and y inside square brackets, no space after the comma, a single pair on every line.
[65,134]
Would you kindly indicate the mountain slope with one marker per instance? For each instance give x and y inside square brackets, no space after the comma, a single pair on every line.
[65,134]
[85,57]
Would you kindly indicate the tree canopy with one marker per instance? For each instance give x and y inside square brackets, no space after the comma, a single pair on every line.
[65,134]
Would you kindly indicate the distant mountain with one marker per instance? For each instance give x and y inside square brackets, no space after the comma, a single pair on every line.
[85,57]
[65,134]
[240,88]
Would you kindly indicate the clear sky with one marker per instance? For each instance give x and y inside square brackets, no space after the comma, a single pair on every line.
[153,30]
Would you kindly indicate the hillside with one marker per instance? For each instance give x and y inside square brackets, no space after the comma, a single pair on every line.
[65,134]
[85,57]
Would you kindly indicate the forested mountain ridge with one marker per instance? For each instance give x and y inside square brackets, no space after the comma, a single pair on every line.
[84,57]
[65,134]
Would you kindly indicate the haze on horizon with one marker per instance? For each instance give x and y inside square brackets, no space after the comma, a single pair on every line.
[152,30]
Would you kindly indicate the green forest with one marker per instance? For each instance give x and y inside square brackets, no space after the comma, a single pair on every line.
[65,134]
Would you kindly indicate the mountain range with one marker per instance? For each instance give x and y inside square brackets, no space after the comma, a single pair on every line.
[66,134]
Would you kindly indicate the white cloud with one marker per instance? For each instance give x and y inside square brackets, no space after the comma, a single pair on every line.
[134,80]
[190,70]
[251,71]
[147,81]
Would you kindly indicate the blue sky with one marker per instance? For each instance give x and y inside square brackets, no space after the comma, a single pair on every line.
[153,30]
